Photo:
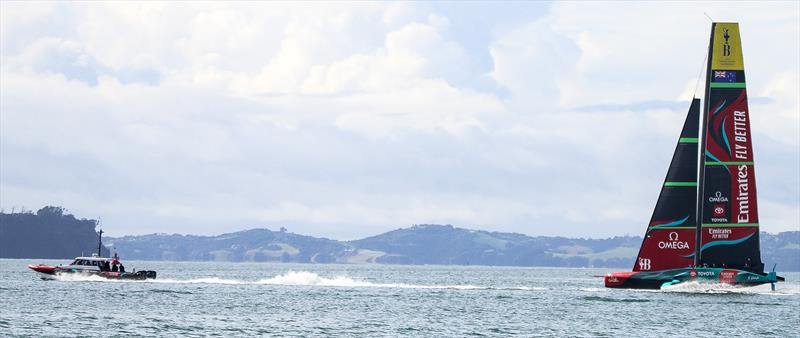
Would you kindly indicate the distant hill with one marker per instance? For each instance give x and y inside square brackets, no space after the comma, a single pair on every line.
[445,244]
[782,249]
[49,233]
[420,244]
[257,245]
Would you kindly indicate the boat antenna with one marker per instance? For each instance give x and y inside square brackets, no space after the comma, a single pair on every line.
[99,240]
[100,243]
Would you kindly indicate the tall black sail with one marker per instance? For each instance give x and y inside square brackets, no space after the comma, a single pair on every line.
[670,237]
[727,200]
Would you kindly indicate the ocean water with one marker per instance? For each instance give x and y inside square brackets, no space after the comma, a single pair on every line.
[268,299]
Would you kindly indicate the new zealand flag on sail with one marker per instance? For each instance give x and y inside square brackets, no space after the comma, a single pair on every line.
[724,76]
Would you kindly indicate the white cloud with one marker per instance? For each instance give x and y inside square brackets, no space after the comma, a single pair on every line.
[348,120]
[531,62]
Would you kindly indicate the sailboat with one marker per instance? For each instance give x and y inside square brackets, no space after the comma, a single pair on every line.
[705,223]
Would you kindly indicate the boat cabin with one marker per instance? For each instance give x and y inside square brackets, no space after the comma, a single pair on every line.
[96,263]
[91,263]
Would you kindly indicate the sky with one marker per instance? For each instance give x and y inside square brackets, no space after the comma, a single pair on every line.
[345,120]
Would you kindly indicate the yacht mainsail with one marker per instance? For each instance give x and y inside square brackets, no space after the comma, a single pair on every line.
[727,202]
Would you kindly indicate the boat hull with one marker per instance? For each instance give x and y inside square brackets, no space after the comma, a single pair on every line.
[659,279]
[52,272]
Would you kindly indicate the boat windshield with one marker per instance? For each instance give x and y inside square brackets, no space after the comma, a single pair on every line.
[86,262]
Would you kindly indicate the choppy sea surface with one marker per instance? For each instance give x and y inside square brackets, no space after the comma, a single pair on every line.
[271,299]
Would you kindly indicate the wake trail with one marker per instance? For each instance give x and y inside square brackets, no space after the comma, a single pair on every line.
[298,278]
[723,288]
[91,278]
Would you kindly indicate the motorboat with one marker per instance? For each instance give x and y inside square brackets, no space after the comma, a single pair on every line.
[92,266]
[95,265]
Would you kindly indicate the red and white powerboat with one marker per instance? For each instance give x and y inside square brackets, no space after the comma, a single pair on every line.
[103,267]
[110,268]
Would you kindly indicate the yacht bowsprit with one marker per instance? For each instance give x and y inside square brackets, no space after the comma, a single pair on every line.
[96,265]
[705,223]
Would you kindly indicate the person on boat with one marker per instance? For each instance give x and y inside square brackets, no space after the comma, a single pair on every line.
[121,268]
[114,268]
